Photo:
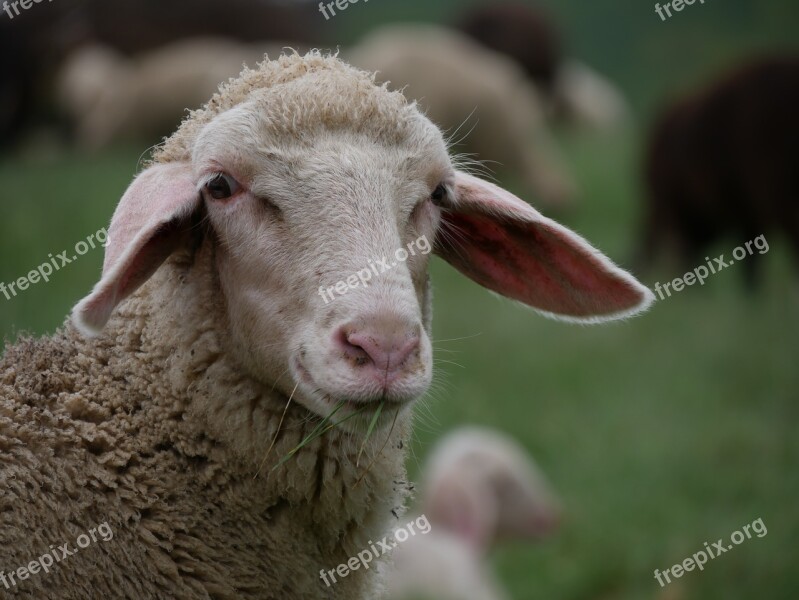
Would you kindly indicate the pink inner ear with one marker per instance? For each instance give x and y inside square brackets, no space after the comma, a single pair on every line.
[506,246]
[535,265]
[147,227]
[152,200]
[146,261]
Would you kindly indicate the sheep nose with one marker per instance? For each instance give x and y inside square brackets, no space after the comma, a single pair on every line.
[385,348]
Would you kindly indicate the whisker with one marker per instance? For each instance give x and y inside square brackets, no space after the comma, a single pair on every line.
[449,138]
[449,362]
[458,339]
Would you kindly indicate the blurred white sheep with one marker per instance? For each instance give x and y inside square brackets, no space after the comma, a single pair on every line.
[478,487]
[110,97]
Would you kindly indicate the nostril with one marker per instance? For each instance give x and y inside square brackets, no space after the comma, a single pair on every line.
[352,350]
[372,346]
[388,352]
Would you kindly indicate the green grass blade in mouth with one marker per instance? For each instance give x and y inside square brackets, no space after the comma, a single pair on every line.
[372,424]
[322,428]
[317,431]
[374,458]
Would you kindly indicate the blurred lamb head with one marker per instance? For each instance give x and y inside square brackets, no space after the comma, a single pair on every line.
[483,487]
[300,174]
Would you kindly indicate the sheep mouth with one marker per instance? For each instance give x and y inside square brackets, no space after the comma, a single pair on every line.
[356,412]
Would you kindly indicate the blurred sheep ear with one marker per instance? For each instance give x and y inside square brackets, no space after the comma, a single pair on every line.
[505,245]
[147,226]
[527,508]
[463,508]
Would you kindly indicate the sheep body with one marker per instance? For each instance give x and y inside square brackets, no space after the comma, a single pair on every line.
[110,97]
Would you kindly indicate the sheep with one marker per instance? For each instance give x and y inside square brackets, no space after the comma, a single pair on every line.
[111,98]
[479,487]
[721,162]
[478,95]
[572,91]
[171,406]
[524,33]
[33,46]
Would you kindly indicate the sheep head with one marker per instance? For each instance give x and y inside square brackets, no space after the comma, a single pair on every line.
[324,194]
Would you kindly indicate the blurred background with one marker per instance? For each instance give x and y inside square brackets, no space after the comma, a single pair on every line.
[661,141]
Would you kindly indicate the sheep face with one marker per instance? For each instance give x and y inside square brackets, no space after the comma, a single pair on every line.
[323,252]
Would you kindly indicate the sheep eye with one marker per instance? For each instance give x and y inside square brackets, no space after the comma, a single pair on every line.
[222,187]
[438,194]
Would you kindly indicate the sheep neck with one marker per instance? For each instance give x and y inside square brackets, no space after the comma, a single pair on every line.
[222,418]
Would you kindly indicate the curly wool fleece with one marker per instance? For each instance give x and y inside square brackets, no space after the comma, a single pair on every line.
[153,428]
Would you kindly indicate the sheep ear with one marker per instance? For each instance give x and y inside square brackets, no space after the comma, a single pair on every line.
[147,226]
[528,510]
[505,245]
[464,509]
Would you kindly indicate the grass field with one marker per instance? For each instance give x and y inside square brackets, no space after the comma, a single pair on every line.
[660,433]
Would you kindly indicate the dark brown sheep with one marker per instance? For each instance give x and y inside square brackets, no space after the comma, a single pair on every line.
[573,93]
[724,163]
[522,32]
